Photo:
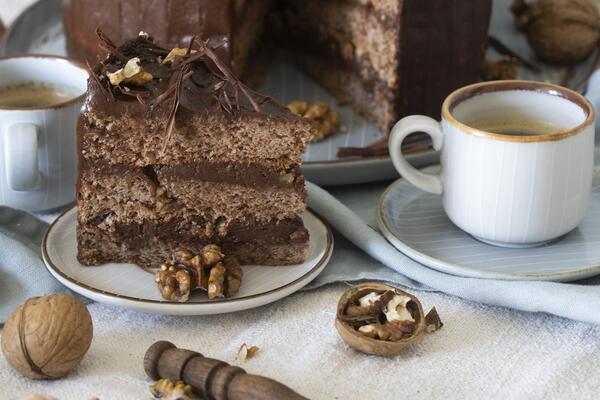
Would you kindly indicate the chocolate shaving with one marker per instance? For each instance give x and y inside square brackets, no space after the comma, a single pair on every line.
[173,112]
[107,92]
[412,144]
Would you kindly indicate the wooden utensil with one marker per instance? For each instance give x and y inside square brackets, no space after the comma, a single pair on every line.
[211,378]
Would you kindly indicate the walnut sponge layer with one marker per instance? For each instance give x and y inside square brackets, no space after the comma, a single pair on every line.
[134,196]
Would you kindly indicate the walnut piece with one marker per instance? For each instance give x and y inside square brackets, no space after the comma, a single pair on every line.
[246,353]
[176,52]
[327,119]
[210,270]
[507,68]
[132,72]
[166,389]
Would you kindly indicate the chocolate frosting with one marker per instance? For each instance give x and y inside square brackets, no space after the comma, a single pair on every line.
[207,85]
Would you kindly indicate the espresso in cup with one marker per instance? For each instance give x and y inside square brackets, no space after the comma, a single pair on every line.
[518,125]
[40,100]
[36,94]
[517,160]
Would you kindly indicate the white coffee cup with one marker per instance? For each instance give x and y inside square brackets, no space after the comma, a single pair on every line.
[37,144]
[508,190]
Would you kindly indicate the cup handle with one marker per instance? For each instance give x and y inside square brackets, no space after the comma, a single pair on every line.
[403,128]
[21,156]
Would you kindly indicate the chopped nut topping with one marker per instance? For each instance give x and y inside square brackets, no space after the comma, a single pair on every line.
[132,72]
[211,270]
[327,119]
[166,389]
[246,353]
[176,52]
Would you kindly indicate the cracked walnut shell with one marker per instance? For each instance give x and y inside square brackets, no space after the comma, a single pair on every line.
[379,319]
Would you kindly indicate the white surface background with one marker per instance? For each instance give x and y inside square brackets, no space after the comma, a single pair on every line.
[481,352]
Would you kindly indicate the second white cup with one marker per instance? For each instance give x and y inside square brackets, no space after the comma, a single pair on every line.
[512,189]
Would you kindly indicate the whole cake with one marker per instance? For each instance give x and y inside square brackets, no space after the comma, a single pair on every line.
[384,58]
[174,151]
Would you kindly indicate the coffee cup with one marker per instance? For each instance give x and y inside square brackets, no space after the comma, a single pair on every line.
[516,160]
[40,100]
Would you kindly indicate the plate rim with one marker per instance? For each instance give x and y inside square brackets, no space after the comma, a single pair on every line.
[135,302]
[457,270]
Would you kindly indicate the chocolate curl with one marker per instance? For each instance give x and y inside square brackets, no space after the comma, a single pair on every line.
[173,112]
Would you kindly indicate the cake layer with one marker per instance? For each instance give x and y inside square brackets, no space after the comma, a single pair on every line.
[347,85]
[135,196]
[354,32]
[149,246]
[122,133]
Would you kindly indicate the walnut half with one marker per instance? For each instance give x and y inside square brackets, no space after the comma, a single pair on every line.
[209,270]
[380,319]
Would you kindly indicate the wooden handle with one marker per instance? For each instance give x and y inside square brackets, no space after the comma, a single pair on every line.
[211,378]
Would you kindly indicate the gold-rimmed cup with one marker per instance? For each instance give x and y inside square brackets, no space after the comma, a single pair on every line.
[517,160]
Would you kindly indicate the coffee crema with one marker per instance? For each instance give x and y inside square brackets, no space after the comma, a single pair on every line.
[515,126]
[35,94]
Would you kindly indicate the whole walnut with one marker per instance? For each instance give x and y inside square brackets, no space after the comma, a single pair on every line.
[46,337]
[559,31]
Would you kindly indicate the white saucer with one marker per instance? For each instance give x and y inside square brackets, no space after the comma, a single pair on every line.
[127,285]
[415,223]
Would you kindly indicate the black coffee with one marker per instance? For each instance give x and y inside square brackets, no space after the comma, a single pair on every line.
[33,94]
[516,126]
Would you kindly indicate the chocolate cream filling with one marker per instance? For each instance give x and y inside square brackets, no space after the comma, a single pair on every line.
[239,173]
[186,231]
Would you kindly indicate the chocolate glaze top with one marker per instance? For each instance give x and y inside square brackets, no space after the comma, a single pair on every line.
[199,82]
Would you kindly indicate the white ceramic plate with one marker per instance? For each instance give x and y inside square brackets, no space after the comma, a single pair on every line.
[129,286]
[39,29]
[415,223]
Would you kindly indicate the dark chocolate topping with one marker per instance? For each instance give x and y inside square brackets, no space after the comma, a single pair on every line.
[198,82]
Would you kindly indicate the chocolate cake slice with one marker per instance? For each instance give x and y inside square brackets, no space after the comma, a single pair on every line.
[388,58]
[175,151]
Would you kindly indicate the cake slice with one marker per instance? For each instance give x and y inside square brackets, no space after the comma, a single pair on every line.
[174,151]
[388,58]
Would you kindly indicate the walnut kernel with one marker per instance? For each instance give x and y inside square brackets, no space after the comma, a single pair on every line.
[132,72]
[327,120]
[210,270]
[166,389]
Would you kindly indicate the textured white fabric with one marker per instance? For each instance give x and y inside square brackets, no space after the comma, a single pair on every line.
[481,352]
